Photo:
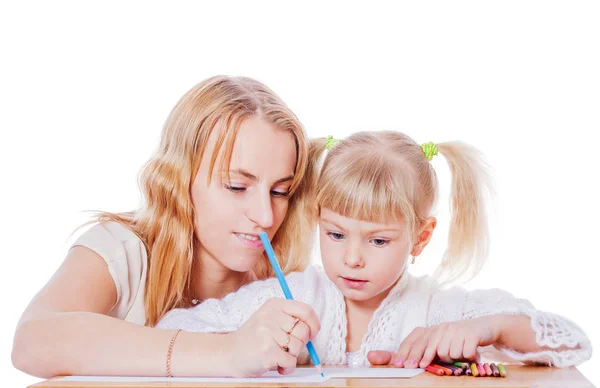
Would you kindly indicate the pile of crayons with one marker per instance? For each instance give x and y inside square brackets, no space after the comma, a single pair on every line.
[464,368]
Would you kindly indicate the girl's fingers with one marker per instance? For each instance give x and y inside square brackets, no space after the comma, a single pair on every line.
[431,348]
[417,350]
[443,350]
[379,357]
[470,347]
[456,348]
[406,346]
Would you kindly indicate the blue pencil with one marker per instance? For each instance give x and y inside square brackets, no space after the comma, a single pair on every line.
[288,295]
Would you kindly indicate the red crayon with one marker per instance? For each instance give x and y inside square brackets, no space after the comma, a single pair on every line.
[435,370]
[488,370]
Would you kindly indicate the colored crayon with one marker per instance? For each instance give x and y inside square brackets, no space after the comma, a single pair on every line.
[435,370]
[474,370]
[463,365]
[488,370]
[501,370]
[495,370]
[455,370]
[447,371]
[480,369]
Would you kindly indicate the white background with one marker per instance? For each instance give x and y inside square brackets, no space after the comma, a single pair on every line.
[86,87]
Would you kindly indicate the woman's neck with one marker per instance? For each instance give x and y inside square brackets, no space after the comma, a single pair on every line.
[211,279]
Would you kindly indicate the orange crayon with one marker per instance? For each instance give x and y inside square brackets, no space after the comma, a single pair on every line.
[435,370]
[447,371]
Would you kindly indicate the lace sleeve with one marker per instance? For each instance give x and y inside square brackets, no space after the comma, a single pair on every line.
[551,330]
[230,313]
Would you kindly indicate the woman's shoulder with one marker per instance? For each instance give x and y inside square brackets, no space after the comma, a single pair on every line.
[111,230]
[126,257]
[110,240]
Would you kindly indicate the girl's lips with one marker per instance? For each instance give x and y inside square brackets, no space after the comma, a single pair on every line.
[354,283]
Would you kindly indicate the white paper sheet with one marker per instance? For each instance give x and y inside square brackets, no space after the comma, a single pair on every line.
[300,375]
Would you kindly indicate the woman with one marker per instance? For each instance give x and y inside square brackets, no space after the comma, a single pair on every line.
[232,162]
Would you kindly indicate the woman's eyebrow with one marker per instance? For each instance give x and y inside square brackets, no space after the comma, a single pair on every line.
[254,178]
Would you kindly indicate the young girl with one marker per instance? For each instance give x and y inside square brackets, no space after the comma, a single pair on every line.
[374,199]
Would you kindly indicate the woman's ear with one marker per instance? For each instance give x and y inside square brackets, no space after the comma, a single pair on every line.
[425,233]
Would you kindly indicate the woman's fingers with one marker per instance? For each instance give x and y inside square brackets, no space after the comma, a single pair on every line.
[286,363]
[296,327]
[305,313]
[293,344]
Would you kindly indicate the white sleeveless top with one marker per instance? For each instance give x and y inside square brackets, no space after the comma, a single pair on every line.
[127,261]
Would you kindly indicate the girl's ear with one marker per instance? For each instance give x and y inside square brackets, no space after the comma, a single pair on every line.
[425,233]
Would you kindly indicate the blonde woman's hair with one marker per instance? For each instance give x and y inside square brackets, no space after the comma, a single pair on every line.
[165,221]
[385,176]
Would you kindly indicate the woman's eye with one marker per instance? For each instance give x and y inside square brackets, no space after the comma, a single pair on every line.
[276,193]
[235,189]
[335,236]
[379,242]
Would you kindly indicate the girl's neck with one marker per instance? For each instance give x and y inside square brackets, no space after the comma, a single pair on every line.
[358,316]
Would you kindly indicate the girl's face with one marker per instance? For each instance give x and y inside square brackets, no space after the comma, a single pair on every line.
[230,213]
[363,259]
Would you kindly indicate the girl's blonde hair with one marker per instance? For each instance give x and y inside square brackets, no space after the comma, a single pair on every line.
[385,176]
[165,221]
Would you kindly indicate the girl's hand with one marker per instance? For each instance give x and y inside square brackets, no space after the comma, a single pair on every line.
[259,345]
[448,341]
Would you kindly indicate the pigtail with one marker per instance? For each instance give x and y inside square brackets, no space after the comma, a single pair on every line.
[468,239]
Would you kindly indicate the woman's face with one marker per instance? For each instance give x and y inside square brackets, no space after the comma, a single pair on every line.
[230,213]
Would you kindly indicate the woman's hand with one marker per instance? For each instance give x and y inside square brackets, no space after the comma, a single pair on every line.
[260,344]
[448,341]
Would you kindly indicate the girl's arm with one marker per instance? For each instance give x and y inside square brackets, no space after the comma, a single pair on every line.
[65,331]
[526,334]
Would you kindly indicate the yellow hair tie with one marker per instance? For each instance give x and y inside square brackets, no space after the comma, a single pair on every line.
[330,142]
[430,150]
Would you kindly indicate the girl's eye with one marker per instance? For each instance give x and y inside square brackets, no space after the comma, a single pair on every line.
[235,189]
[379,242]
[335,236]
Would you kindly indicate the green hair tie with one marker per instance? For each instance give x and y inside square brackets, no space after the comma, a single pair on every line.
[430,150]
[330,142]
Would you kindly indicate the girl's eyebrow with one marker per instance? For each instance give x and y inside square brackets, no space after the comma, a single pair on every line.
[374,231]
[332,223]
[254,178]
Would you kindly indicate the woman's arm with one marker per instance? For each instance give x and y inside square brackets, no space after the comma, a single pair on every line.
[65,331]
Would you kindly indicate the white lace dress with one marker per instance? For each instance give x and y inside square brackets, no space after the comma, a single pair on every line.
[413,302]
